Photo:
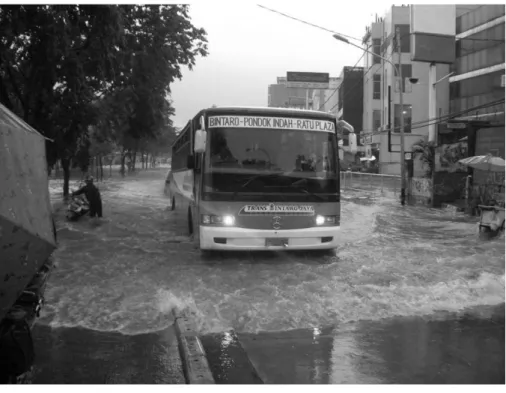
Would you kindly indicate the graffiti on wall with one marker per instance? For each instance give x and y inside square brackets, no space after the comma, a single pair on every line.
[421,187]
[448,156]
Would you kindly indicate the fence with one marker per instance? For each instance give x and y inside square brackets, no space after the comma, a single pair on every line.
[389,185]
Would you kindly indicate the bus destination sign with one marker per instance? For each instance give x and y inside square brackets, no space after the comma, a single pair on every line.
[279,123]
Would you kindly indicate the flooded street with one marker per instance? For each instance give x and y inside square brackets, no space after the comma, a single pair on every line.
[126,274]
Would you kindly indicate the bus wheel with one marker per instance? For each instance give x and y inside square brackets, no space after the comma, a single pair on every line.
[173,206]
[190,223]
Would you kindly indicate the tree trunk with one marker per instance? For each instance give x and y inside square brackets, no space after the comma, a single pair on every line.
[101,168]
[134,159]
[65,163]
[122,169]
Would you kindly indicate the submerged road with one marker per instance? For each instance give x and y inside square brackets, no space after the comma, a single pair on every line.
[412,295]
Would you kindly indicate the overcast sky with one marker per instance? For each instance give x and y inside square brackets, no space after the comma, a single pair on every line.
[249,47]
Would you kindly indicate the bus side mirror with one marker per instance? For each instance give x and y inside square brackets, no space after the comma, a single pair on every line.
[344,125]
[190,162]
[200,141]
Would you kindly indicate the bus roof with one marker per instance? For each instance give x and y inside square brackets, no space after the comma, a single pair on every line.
[270,110]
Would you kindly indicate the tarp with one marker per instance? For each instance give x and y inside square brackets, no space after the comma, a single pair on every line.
[26,227]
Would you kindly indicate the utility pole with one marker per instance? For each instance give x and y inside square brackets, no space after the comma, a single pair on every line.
[401,102]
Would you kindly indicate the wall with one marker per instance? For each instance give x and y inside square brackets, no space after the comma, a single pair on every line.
[420,190]
[278,96]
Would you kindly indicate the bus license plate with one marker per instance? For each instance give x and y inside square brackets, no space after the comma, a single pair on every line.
[276,241]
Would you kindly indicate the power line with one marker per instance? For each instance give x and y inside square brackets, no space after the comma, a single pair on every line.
[337,88]
[308,23]
[370,68]
[449,116]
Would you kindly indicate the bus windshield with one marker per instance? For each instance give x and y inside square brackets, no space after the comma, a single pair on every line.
[270,161]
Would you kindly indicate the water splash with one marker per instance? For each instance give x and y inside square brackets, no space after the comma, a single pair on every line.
[128,274]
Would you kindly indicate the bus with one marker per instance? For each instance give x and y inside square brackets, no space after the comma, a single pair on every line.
[246,178]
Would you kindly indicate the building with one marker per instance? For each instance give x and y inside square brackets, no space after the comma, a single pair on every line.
[281,96]
[350,103]
[326,100]
[372,119]
[381,131]
[477,91]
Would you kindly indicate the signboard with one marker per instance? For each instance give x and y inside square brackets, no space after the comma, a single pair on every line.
[280,123]
[367,139]
[455,126]
[307,80]
[271,208]
[408,155]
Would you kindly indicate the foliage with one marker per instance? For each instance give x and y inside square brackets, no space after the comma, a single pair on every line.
[94,76]
[426,151]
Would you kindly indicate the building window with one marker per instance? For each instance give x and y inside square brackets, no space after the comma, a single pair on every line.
[376,119]
[479,16]
[407,118]
[376,49]
[376,88]
[405,38]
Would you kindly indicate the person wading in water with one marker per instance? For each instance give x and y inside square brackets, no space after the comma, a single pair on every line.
[92,194]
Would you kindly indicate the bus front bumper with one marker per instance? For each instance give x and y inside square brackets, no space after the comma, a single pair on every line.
[232,238]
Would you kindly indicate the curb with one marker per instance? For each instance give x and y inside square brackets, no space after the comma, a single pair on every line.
[195,365]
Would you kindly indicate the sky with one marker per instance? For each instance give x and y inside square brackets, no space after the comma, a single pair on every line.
[249,47]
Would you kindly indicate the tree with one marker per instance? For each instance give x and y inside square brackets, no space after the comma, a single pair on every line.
[158,40]
[53,61]
[56,61]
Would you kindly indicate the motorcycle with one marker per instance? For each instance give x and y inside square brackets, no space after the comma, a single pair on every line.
[77,208]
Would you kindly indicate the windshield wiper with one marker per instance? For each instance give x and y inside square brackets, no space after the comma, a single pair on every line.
[266,175]
[298,188]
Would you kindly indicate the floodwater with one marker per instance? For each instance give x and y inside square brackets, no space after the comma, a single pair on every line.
[126,273]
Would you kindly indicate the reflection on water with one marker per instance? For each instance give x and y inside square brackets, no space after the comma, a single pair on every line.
[454,350]
[81,356]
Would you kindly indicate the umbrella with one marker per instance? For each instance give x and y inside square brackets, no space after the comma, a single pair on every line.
[484,163]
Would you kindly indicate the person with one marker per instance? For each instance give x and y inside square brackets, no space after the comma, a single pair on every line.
[92,194]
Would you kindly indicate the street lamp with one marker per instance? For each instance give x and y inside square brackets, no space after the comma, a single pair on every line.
[401,102]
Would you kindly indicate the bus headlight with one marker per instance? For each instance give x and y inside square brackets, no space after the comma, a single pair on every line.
[227,220]
[325,220]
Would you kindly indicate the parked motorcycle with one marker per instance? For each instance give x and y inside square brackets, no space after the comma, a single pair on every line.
[77,208]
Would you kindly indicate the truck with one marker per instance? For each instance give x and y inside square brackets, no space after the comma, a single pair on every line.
[27,242]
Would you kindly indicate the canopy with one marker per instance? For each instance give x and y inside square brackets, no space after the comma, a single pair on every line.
[484,163]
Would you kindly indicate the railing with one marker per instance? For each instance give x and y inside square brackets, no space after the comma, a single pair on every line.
[371,182]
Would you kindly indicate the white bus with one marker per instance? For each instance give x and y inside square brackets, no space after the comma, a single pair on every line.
[258,179]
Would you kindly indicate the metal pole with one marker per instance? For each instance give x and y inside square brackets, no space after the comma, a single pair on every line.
[401,102]
[432,102]
[307,98]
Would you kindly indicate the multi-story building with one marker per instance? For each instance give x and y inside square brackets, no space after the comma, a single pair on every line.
[477,87]
[476,106]
[325,100]
[350,102]
[382,110]
[372,121]
[281,96]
